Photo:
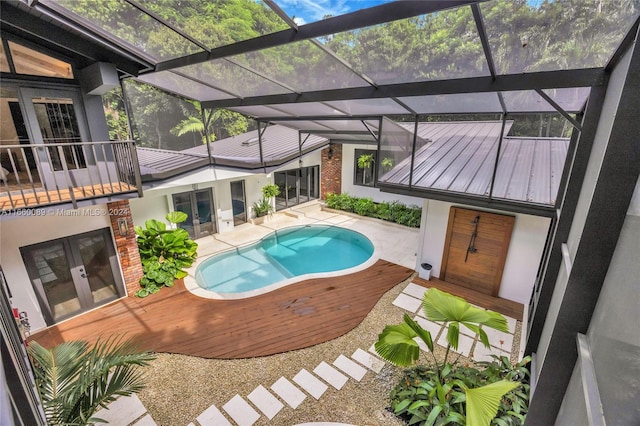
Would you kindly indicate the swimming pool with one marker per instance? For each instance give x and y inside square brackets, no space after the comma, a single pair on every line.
[284,254]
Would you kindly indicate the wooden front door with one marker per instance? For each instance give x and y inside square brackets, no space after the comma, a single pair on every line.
[476,248]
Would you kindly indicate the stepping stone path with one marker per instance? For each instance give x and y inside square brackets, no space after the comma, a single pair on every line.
[310,383]
[241,411]
[407,302]
[415,290]
[288,392]
[265,401]
[125,410]
[350,367]
[331,375]
[213,417]
[371,362]
[270,402]
[501,342]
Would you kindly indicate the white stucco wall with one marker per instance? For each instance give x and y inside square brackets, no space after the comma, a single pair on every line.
[525,250]
[157,201]
[24,231]
[348,161]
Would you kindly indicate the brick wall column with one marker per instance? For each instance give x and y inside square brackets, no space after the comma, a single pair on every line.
[126,246]
[331,171]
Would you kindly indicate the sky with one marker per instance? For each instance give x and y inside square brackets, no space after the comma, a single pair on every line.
[307,11]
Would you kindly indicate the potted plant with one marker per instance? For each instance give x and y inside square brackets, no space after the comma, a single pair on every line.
[264,206]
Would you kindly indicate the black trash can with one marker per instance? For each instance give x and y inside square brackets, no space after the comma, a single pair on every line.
[425,271]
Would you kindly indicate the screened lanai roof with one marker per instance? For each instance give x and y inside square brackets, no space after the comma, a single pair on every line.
[269,60]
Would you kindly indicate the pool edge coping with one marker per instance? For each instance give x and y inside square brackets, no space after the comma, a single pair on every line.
[192,286]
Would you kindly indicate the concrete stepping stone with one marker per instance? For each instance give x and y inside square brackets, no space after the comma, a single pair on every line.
[240,411]
[331,375]
[310,383]
[499,339]
[213,417]
[265,401]
[372,363]
[415,290]
[123,410]
[464,343]
[432,327]
[288,392]
[511,324]
[146,421]
[423,346]
[481,353]
[350,367]
[407,303]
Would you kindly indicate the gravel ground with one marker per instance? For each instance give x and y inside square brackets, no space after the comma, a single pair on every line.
[181,387]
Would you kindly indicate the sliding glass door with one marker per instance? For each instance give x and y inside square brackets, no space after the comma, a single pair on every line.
[296,186]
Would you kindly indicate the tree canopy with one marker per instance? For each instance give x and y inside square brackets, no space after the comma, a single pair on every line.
[524,36]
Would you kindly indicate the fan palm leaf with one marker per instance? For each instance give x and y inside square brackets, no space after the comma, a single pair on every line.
[483,402]
[441,306]
[397,344]
[74,381]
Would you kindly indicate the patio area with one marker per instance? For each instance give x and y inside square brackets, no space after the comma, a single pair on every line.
[299,353]
[293,317]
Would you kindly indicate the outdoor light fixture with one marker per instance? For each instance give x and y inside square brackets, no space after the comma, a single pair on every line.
[123,228]
[330,152]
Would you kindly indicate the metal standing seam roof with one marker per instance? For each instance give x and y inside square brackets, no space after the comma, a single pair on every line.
[280,145]
[461,157]
[162,163]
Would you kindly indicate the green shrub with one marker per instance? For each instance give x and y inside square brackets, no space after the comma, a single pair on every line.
[383,211]
[393,212]
[444,392]
[270,191]
[364,206]
[164,253]
[262,207]
[416,397]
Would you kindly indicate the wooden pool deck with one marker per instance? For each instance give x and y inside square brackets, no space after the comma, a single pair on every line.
[293,317]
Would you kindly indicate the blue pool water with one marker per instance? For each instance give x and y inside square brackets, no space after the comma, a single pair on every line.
[284,254]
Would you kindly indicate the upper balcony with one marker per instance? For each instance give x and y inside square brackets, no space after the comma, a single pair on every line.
[41,175]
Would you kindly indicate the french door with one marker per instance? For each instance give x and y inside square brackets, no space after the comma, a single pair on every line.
[198,205]
[57,117]
[73,274]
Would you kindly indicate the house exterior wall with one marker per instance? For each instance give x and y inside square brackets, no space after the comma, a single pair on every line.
[157,202]
[348,170]
[24,231]
[525,249]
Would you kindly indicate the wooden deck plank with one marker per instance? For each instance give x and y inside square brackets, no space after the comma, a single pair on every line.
[42,197]
[293,317]
[497,304]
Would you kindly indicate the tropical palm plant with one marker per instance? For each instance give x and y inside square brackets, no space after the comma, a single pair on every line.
[209,122]
[74,380]
[443,389]
[365,161]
